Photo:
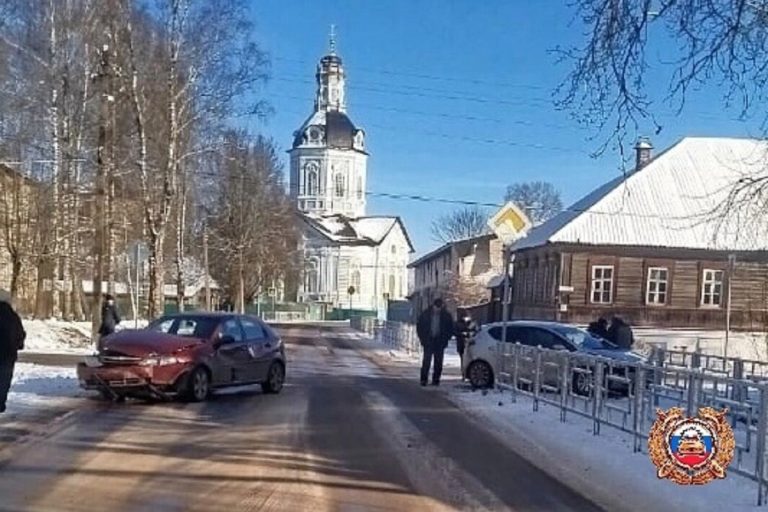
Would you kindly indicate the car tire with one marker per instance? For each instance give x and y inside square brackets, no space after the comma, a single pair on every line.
[275,379]
[582,383]
[480,375]
[198,385]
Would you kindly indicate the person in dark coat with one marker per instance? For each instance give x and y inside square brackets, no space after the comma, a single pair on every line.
[434,329]
[110,318]
[620,333]
[465,329]
[599,328]
[12,338]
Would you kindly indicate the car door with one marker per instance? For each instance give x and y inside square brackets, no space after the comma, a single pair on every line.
[259,348]
[232,358]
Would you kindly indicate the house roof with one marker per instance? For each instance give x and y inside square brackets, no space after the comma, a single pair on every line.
[355,231]
[447,247]
[676,200]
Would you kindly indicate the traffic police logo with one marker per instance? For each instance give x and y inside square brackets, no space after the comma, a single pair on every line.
[691,451]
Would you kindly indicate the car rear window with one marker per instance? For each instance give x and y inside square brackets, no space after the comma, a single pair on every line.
[188,326]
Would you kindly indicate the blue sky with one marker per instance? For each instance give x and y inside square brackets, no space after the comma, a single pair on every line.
[455,97]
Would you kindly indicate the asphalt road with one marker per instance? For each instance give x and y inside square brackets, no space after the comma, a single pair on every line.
[344,435]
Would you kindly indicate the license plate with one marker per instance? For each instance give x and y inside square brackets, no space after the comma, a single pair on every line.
[92,362]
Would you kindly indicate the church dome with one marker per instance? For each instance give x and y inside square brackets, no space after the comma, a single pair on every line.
[332,129]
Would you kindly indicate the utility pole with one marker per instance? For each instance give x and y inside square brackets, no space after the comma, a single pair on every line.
[731,264]
[207,269]
[138,285]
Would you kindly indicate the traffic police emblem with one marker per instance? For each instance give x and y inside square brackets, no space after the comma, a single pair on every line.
[691,451]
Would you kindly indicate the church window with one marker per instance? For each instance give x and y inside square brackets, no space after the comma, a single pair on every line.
[391,285]
[338,181]
[394,249]
[359,187]
[312,277]
[355,280]
[312,180]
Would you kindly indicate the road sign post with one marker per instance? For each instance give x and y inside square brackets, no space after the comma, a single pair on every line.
[509,225]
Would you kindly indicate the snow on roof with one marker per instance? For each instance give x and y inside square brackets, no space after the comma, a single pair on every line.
[360,230]
[671,202]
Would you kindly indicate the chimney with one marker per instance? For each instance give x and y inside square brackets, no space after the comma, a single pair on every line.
[643,152]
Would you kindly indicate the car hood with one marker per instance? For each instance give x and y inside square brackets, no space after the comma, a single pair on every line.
[625,356]
[141,343]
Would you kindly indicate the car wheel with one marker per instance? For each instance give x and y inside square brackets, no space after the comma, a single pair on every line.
[198,385]
[582,383]
[480,374]
[275,379]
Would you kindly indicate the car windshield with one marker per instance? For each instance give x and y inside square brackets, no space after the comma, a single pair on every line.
[582,338]
[187,326]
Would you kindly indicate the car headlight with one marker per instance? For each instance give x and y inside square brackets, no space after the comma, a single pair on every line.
[161,361]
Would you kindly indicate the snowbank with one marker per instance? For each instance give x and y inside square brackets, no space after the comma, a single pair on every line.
[35,387]
[59,336]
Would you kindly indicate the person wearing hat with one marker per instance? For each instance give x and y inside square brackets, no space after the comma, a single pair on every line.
[435,329]
[110,318]
[12,338]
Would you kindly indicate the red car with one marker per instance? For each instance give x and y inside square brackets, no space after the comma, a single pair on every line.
[187,355]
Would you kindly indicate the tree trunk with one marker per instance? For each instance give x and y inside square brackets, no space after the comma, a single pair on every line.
[181,219]
[156,281]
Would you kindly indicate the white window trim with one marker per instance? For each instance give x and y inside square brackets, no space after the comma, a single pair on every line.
[703,287]
[594,280]
[648,281]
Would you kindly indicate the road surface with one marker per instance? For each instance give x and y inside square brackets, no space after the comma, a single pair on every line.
[344,435]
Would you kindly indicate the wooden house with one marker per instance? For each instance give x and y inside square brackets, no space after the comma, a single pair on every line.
[664,245]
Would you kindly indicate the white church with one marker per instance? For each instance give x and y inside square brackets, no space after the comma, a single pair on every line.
[344,249]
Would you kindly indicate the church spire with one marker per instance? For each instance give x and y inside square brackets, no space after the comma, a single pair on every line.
[330,79]
[332,40]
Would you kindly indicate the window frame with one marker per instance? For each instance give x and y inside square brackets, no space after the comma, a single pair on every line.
[657,281]
[339,185]
[704,282]
[258,325]
[594,280]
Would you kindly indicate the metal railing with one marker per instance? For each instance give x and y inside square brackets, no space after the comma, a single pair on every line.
[397,335]
[625,396]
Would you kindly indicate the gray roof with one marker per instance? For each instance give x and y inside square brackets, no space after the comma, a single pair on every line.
[674,201]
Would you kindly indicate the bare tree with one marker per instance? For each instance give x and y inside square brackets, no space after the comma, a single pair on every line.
[539,200]
[460,224]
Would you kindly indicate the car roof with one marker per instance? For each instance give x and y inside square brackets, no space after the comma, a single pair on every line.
[530,323]
[203,314]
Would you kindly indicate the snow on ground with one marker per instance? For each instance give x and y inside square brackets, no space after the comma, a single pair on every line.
[745,345]
[59,336]
[35,384]
[602,466]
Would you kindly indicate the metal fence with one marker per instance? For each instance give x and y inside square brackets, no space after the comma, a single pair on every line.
[625,396]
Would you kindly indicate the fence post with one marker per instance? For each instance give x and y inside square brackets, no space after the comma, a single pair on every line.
[537,380]
[658,374]
[564,374]
[597,386]
[738,374]
[515,364]
[637,401]
[692,385]
[761,462]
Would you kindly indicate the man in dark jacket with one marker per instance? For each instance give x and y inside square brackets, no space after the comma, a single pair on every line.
[620,333]
[110,318]
[435,329]
[12,338]
[465,329]
[599,328]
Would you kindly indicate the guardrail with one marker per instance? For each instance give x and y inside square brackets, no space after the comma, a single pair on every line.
[729,366]
[397,335]
[625,396]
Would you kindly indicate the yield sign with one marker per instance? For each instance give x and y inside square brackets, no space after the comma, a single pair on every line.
[510,223]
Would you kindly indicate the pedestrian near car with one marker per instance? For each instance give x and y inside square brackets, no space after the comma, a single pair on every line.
[12,338]
[620,333]
[599,328]
[434,328]
[110,317]
[466,327]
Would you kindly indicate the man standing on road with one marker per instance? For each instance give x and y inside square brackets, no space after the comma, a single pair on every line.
[110,318]
[12,338]
[434,328]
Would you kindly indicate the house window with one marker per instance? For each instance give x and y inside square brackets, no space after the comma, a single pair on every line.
[656,290]
[312,277]
[712,288]
[602,284]
[339,185]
